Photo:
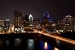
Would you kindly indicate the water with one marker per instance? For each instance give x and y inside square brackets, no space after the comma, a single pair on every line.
[26,44]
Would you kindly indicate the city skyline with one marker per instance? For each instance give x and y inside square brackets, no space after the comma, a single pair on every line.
[57,9]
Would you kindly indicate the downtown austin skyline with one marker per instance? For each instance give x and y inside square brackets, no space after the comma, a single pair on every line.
[57,9]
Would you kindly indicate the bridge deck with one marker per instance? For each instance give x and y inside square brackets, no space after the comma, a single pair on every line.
[57,37]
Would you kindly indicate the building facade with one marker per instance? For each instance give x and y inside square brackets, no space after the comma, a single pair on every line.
[26,20]
[46,21]
[17,21]
[2,25]
[60,25]
[69,23]
[30,20]
[7,25]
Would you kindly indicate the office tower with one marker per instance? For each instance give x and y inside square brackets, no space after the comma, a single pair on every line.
[30,20]
[7,22]
[47,16]
[37,24]
[60,24]
[17,20]
[7,25]
[26,20]
[2,25]
[46,20]
[69,23]
[1,22]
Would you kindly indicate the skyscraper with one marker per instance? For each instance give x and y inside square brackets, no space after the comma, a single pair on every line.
[26,20]
[60,25]
[30,20]
[69,23]
[46,14]
[17,20]
[46,21]
[2,24]
[7,25]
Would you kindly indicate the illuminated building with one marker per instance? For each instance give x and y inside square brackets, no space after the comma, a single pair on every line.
[7,25]
[7,22]
[37,24]
[1,22]
[69,23]
[60,24]
[46,20]
[30,20]
[11,28]
[17,20]
[46,17]
[26,20]
[2,25]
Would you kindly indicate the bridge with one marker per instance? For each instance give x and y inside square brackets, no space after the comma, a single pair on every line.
[57,37]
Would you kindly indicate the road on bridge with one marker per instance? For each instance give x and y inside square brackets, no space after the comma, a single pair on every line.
[56,37]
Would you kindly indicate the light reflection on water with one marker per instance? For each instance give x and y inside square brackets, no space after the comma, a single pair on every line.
[1,43]
[29,44]
[7,43]
[58,42]
[46,45]
[17,41]
[56,48]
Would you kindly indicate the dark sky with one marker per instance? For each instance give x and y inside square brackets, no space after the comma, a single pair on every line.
[57,8]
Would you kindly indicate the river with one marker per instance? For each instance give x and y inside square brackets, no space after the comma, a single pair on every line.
[26,44]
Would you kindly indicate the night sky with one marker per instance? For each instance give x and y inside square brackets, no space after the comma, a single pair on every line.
[57,8]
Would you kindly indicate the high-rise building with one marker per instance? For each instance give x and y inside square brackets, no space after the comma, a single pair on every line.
[17,20]
[7,22]
[1,22]
[30,20]
[37,24]
[60,25]
[2,25]
[26,20]
[69,23]
[46,20]
[7,25]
